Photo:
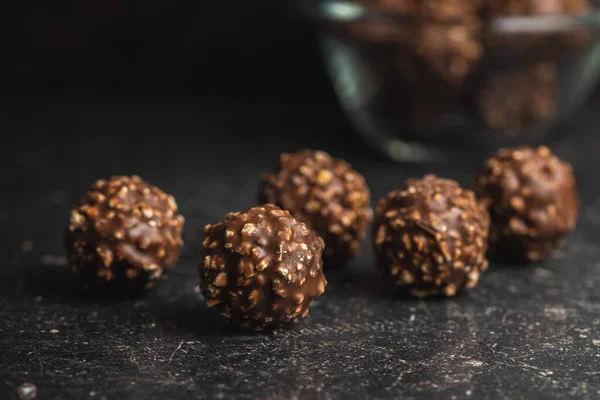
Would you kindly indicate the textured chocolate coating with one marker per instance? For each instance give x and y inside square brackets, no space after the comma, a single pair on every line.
[442,36]
[452,51]
[532,200]
[124,235]
[431,236]
[261,268]
[326,194]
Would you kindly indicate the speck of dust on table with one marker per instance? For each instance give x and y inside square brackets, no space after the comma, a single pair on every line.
[524,332]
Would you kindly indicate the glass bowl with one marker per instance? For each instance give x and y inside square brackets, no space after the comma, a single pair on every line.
[424,89]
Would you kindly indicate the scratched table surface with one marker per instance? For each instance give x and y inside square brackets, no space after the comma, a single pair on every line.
[524,332]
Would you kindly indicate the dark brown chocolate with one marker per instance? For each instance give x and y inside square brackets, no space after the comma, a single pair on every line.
[261,268]
[124,235]
[431,236]
[532,200]
[450,51]
[326,194]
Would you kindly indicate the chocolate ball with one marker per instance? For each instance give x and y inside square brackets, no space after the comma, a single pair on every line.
[532,200]
[262,267]
[124,235]
[326,194]
[431,236]
[450,51]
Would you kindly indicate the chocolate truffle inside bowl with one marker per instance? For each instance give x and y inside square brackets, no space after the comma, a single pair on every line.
[124,236]
[326,194]
[532,199]
[262,268]
[431,236]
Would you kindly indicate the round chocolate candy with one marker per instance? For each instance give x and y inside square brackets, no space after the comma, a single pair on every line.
[326,194]
[431,236]
[532,200]
[124,235]
[261,268]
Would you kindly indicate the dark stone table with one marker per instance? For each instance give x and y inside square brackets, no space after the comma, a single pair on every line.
[524,332]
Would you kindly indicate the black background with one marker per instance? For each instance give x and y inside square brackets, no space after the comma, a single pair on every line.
[155,50]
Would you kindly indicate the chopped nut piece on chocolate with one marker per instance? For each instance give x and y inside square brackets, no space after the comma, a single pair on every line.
[326,194]
[124,235]
[431,236]
[532,199]
[261,267]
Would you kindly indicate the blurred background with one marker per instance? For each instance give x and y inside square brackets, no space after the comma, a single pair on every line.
[157,50]
[218,53]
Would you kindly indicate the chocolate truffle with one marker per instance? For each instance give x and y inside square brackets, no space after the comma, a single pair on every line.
[443,36]
[124,235]
[532,200]
[261,268]
[451,52]
[431,236]
[326,194]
